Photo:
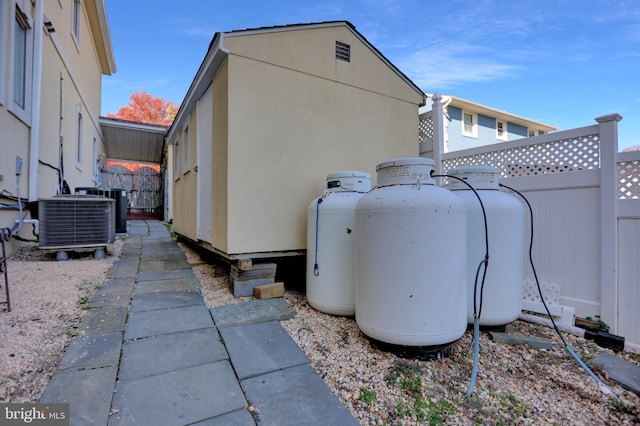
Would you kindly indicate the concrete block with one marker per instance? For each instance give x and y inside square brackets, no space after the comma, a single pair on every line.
[244,288]
[244,264]
[269,291]
[619,370]
[514,338]
[252,312]
[259,270]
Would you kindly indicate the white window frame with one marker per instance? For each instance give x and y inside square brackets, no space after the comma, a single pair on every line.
[501,130]
[473,131]
[531,132]
[79,137]
[185,150]
[76,21]
[17,12]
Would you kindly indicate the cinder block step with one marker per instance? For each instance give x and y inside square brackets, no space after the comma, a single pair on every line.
[244,281]
[244,288]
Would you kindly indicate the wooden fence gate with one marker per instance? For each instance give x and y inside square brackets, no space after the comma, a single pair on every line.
[143,185]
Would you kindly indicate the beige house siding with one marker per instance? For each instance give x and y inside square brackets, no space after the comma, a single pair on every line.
[70,83]
[285,114]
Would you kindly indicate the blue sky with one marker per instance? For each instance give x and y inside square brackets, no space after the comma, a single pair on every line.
[562,62]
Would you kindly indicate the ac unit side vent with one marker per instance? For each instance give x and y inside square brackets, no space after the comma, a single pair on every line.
[76,221]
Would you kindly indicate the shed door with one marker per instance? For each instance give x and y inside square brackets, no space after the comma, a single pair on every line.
[204,151]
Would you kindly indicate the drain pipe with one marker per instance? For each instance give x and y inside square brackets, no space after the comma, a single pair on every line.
[534,319]
[36,84]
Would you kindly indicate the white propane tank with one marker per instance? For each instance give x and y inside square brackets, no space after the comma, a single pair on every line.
[411,268]
[502,295]
[331,243]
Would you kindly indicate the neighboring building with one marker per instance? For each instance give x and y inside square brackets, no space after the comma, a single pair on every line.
[52,57]
[468,124]
[270,113]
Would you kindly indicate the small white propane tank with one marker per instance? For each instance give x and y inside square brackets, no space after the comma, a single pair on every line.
[331,243]
[411,268]
[502,295]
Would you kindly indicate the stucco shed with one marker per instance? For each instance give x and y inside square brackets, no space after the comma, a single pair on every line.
[270,113]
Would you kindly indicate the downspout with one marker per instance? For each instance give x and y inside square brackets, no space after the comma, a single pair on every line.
[36,84]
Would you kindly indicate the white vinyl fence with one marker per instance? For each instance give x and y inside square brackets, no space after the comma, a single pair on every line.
[584,196]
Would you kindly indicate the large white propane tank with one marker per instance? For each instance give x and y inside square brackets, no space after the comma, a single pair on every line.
[331,243]
[502,296]
[411,268]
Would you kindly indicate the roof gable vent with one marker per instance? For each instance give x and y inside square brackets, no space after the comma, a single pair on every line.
[343,51]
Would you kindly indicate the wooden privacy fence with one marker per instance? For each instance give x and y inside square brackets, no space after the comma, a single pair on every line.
[586,210]
[143,185]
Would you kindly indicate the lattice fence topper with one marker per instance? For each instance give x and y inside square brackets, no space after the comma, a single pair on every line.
[425,127]
[550,291]
[629,180]
[581,153]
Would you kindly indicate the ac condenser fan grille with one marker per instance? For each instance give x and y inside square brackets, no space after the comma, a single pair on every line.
[76,221]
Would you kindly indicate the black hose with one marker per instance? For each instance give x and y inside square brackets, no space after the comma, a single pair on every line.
[533,268]
[477,307]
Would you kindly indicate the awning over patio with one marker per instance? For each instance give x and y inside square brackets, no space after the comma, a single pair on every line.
[133,141]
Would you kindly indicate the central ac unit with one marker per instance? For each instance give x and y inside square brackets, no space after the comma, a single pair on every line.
[72,221]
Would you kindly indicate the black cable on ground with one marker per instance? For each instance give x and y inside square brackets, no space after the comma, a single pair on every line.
[477,310]
[601,384]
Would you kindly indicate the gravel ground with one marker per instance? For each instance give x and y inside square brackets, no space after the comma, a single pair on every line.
[48,300]
[516,384]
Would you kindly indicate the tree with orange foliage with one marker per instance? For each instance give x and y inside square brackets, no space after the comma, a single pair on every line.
[145,108]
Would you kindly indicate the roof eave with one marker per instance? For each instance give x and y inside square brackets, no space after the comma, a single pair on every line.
[517,119]
[99,25]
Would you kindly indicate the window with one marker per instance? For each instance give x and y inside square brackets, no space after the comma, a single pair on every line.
[531,133]
[79,138]
[185,150]
[469,124]
[21,60]
[501,130]
[76,13]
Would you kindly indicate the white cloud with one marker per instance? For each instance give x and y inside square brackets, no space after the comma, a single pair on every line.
[446,66]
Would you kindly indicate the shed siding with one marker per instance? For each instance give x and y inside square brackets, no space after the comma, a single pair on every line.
[287,131]
[286,113]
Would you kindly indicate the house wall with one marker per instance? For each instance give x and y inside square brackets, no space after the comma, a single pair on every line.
[77,64]
[70,82]
[456,141]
